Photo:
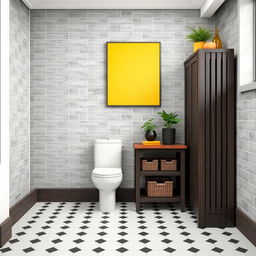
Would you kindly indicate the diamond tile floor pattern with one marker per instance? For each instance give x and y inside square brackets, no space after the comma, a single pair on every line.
[158,229]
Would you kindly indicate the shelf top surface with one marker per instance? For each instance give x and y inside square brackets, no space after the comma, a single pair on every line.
[160,173]
[207,51]
[175,146]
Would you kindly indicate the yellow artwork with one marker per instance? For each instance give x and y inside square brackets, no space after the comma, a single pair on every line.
[133,74]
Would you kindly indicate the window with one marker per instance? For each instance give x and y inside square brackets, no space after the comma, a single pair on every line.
[247,45]
[254,40]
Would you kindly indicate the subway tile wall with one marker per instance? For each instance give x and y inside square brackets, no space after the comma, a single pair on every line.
[246,153]
[227,20]
[68,87]
[19,101]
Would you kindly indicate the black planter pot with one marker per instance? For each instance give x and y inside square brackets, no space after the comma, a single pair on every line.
[168,136]
[150,135]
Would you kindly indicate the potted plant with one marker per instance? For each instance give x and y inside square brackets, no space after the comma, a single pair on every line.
[168,133]
[149,127]
[199,36]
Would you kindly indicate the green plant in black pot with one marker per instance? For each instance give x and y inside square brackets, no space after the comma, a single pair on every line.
[168,133]
[149,127]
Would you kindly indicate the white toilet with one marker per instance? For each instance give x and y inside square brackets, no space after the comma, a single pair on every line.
[107,173]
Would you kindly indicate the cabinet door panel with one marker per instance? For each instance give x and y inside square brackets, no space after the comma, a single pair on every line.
[216,181]
[188,116]
[207,132]
[194,129]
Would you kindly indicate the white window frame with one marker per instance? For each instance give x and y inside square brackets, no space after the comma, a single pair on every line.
[247,45]
[254,41]
[4,112]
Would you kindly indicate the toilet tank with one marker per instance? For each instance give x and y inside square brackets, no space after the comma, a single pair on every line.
[107,153]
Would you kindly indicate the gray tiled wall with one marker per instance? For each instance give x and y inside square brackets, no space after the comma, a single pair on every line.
[68,70]
[19,101]
[227,20]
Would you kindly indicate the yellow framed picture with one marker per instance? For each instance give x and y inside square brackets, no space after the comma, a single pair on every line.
[133,74]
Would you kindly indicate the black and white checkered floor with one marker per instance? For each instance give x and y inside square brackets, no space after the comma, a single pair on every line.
[80,229]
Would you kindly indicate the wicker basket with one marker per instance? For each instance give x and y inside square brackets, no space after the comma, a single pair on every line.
[149,165]
[156,189]
[168,165]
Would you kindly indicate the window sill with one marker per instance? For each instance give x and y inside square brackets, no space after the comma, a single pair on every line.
[247,87]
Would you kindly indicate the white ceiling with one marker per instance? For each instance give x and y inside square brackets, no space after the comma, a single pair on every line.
[114,4]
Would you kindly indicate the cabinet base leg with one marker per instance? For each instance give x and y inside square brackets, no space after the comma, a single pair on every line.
[182,207]
[137,206]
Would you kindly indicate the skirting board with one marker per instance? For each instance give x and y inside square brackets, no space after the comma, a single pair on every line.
[55,195]
[21,207]
[16,212]
[81,195]
[5,231]
[246,226]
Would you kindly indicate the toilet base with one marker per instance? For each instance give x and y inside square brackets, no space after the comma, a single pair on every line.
[107,202]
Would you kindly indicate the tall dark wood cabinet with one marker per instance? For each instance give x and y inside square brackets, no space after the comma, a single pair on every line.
[210,135]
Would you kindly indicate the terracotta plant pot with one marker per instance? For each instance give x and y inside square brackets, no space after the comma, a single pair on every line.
[209,45]
[198,45]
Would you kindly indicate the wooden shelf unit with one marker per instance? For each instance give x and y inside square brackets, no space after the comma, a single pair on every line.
[154,150]
[160,173]
[146,199]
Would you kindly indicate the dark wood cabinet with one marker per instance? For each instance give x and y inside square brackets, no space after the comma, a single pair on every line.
[210,135]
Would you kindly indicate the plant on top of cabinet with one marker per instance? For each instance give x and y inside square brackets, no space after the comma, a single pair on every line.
[149,127]
[209,45]
[199,36]
[168,133]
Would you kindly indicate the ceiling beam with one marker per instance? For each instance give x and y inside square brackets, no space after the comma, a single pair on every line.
[210,7]
[113,4]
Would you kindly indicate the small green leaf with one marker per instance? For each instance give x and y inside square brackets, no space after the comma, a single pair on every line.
[149,125]
[199,34]
[170,119]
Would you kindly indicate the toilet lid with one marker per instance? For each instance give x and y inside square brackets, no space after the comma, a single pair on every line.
[107,172]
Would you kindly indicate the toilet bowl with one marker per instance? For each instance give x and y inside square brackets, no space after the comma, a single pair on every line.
[107,174]
[107,180]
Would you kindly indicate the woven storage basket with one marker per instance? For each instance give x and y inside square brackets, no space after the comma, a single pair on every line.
[168,165]
[155,189]
[149,165]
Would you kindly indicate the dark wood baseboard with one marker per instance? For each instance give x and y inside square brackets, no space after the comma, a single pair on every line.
[81,195]
[5,231]
[125,195]
[16,212]
[67,195]
[21,207]
[246,226]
